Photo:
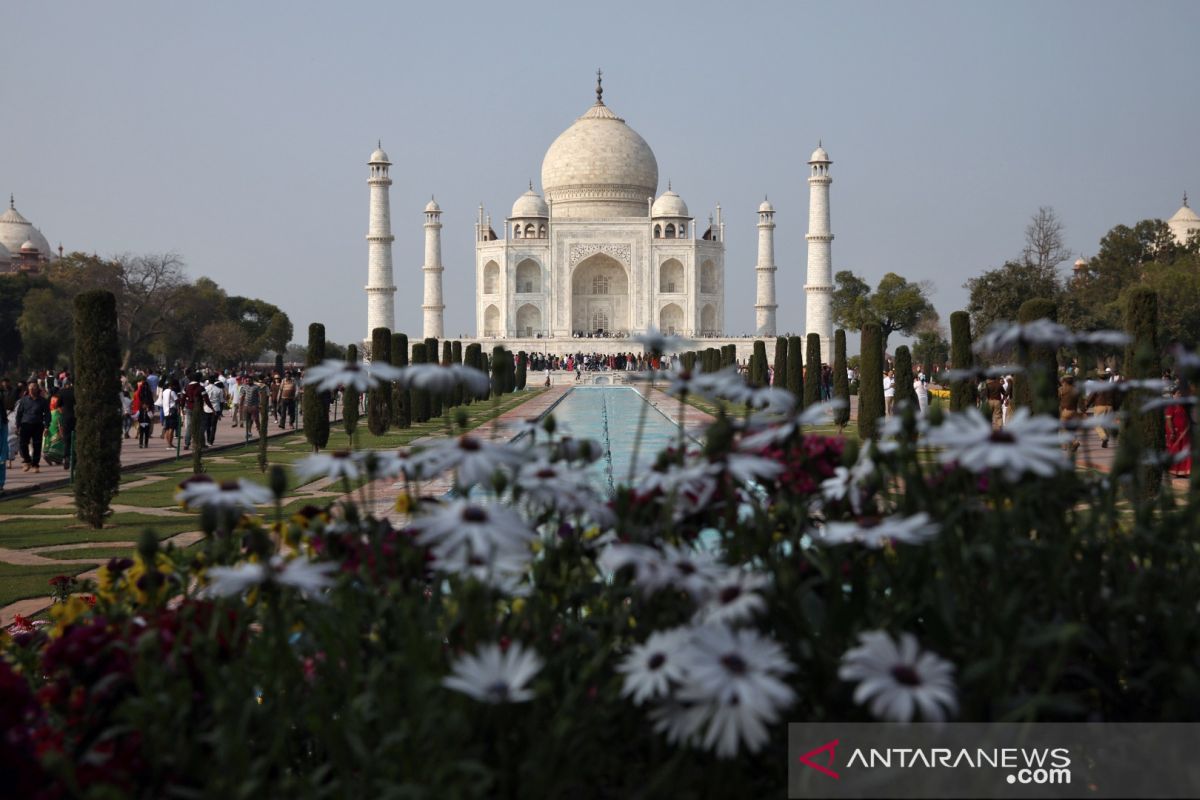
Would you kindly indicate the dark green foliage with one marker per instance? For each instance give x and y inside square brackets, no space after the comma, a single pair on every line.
[962,393]
[1143,430]
[456,357]
[1037,387]
[841,382]
[522,369]
[905,393]
[350,397]
[498,378]
[97,450]
[870,381]
[812,371]
[279,363]
[264,425]
[401,397]
[795,369]
[758,364]
[197,424]
[729,355]
[485,367]
[379,398]
[435,399]
[781,363]
[447,359]
[472,357]
[689,361]
[420,397]
[316,418]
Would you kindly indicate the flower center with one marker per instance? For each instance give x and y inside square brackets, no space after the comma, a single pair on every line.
[906,675]
[546,473]
[498,690]
[656,661]
[869,522]
[734,663]
[340,454]
[230,486]
[469,443]
[730,593]
[686,567]
[1002,437]
[474,514]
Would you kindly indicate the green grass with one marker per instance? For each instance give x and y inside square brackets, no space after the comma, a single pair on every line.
[20,583]
[99,554]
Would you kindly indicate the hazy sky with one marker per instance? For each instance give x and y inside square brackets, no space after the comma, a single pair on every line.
[236,133]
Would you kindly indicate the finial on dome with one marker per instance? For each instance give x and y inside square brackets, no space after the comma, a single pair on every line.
[1185,205]
[599,87]
[379,143]
[12,201]
[531,184]
[668,184]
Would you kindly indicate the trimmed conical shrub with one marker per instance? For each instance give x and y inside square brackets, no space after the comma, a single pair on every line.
[401,396]
[379,398]
[841,381]
[1143,431]
[870,381]
[795,369]
[433,357]
[421,407]
[473,358]
[316,411]
[498,379]
[781,363]
[812,371]
[97,451]
[456,357]
[350,397]
[758,364]
[962,393]
[522,369]
[1037,387]
[905,393]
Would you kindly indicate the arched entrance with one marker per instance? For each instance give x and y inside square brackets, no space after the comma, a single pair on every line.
[599,296]
[670,319]
[529,320]
[491,321]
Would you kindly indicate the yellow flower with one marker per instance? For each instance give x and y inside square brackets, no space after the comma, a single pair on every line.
[65,614]
[592,532]
[632,621]
[133,576]
[518,605]
[404,503]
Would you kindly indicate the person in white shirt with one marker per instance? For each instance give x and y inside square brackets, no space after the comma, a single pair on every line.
[889,392]
[168,403]
[921,387]
[216,398]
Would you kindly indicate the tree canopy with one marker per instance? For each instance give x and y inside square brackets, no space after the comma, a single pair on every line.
[896,305]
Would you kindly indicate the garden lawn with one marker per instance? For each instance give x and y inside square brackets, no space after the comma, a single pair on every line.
[19,583]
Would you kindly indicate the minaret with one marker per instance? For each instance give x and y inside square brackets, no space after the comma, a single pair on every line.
[433,305]
[764,307]
[818,316]
[381,291]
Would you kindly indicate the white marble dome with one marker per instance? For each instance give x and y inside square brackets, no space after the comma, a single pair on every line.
[530,204]
[819,156]
[5,258]
[432,207]
[1184,223]
[765,206]
[15,231]
[599,167]
[669,205]
[379,157]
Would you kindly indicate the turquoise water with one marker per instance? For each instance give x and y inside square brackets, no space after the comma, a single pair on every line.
[610,416]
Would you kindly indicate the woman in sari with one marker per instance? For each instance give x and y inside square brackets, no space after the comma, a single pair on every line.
[1179,436]
[53,446]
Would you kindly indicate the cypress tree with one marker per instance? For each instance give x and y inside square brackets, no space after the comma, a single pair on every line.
[758,364]
[432,357]
[870,381]
[497,371]
[522,369]
[471,357]
[350,397]
[485,366]
[905,393]
[197,425]
[420,397]
[795,369]
[729,355]
[316,415]
[781,365]
[1037,387]
[264,419]
[841,382]
[812,371]
[447,360]
[401,397]
[97,451]
[456,357]
[689,361]
[962,393]
[379,398]
[279,363]
[1143,431]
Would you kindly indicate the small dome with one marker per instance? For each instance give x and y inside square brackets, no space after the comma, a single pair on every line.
[1184,223]
[669,205]
[15,231]
[432,207]
[29,247]
[766,206]
[379,157]
[530,204]
[1080,264]
[819,156]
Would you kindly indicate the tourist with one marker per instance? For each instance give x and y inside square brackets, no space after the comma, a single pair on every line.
[193,394]
[1101,403]
[126,409]
[1179,435]
[32,415]
[168,409]
[273,390]
[53,446]
[66,404]
[250,394]
[889,392]
[287,401]
[142,408]
[1068,407]
[5,447]
[921,387]
[215,389]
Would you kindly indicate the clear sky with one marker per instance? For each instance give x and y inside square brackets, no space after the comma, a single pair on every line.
[236,133]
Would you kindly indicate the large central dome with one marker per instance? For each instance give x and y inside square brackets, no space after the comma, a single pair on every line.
[599,167]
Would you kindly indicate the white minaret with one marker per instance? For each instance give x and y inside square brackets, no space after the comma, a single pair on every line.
[381,291]
[818,316]
[764,307]
[433,305]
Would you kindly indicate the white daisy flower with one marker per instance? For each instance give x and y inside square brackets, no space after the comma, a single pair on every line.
[649,568]
[695,483]
[338,464]
[876,532]
[981,373]
[493,675]
[654,667]
[1103,338]
[555,484]
[441,379]
[569,448]
[733,597]
[655,341]
[201,491]
[462,532]
[680,722]
[736,674]
[474,460]
[1159,403]
[1147,384]
[690,570]
[746,468]
[897,679]
[847,482]
[235,580]
[332,373]
[725,383]
[1027,444]
[1004,335]
[309,578]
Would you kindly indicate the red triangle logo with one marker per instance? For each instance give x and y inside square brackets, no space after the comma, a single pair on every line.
[831,748]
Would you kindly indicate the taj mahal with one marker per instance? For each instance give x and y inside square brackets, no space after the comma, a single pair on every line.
[600,254]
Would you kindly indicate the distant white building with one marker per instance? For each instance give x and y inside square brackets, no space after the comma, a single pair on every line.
[1184,223]
[23,248]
